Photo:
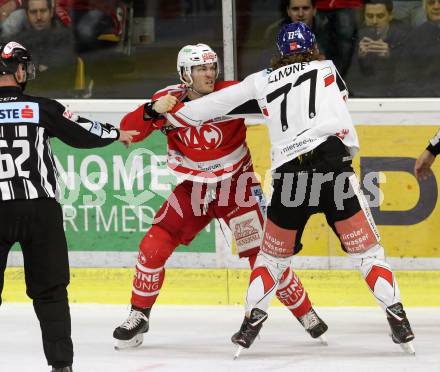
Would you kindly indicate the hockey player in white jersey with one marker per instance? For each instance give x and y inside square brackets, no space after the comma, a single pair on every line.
[313,142]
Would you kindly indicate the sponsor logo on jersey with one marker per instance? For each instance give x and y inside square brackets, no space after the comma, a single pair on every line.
[297,146]
[211,167]
[201,138]
[18,112]
[247,231]
[244,229]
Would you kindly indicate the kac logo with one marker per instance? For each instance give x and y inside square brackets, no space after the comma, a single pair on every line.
[205,137]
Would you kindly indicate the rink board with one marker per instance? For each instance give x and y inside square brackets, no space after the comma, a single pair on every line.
[228,286]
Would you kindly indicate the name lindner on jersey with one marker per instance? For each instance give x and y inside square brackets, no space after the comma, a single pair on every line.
[302,104]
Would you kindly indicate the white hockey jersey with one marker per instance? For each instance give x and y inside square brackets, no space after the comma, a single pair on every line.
[302,103]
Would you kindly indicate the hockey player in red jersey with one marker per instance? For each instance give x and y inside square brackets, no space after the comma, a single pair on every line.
[213,160]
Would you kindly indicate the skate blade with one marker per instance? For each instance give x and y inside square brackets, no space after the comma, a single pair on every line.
[408,347]
[238,352]
[323,340]
[128,344]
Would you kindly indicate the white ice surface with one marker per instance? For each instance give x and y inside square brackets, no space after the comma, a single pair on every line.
[185,338]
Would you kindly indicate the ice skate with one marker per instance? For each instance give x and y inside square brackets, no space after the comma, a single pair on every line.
[131,333]
[63,369]
[401,332]
[314,326]
[249,330]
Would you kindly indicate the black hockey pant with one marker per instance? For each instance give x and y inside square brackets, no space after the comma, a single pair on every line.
[38,226]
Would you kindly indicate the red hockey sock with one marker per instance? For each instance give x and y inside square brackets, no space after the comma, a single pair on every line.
[292,294]
[155,248]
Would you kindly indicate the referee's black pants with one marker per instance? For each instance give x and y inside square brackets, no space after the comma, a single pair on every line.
[38,226]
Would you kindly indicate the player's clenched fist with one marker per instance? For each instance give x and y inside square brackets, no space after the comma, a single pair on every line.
[164,104]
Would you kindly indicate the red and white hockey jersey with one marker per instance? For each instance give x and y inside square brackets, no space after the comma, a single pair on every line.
[303,104]
[207,153]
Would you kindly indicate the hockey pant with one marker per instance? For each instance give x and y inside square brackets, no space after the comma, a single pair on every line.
[38,225]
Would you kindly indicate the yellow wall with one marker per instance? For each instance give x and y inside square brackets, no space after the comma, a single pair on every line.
[228,287]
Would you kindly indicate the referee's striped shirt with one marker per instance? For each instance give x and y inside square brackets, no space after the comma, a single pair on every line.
[27,166]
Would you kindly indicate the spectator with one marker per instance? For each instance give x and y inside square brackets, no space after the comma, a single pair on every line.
[52,48]
[17,20]
[416,79]
[296,11]
[410,12]
[337,23]
[380,46]
[11,16]
[7,7]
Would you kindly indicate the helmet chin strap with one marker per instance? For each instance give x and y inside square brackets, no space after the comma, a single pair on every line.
[22,85]
[195,91]
[190,86]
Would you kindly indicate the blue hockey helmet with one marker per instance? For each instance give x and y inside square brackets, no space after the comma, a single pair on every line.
[295,38]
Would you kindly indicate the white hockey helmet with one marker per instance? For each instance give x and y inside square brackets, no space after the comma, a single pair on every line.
[194,55]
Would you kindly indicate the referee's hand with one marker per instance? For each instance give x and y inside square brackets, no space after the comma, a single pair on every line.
[422,168]
[126,136]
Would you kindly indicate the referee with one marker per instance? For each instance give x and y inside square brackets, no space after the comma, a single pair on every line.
[29,211]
